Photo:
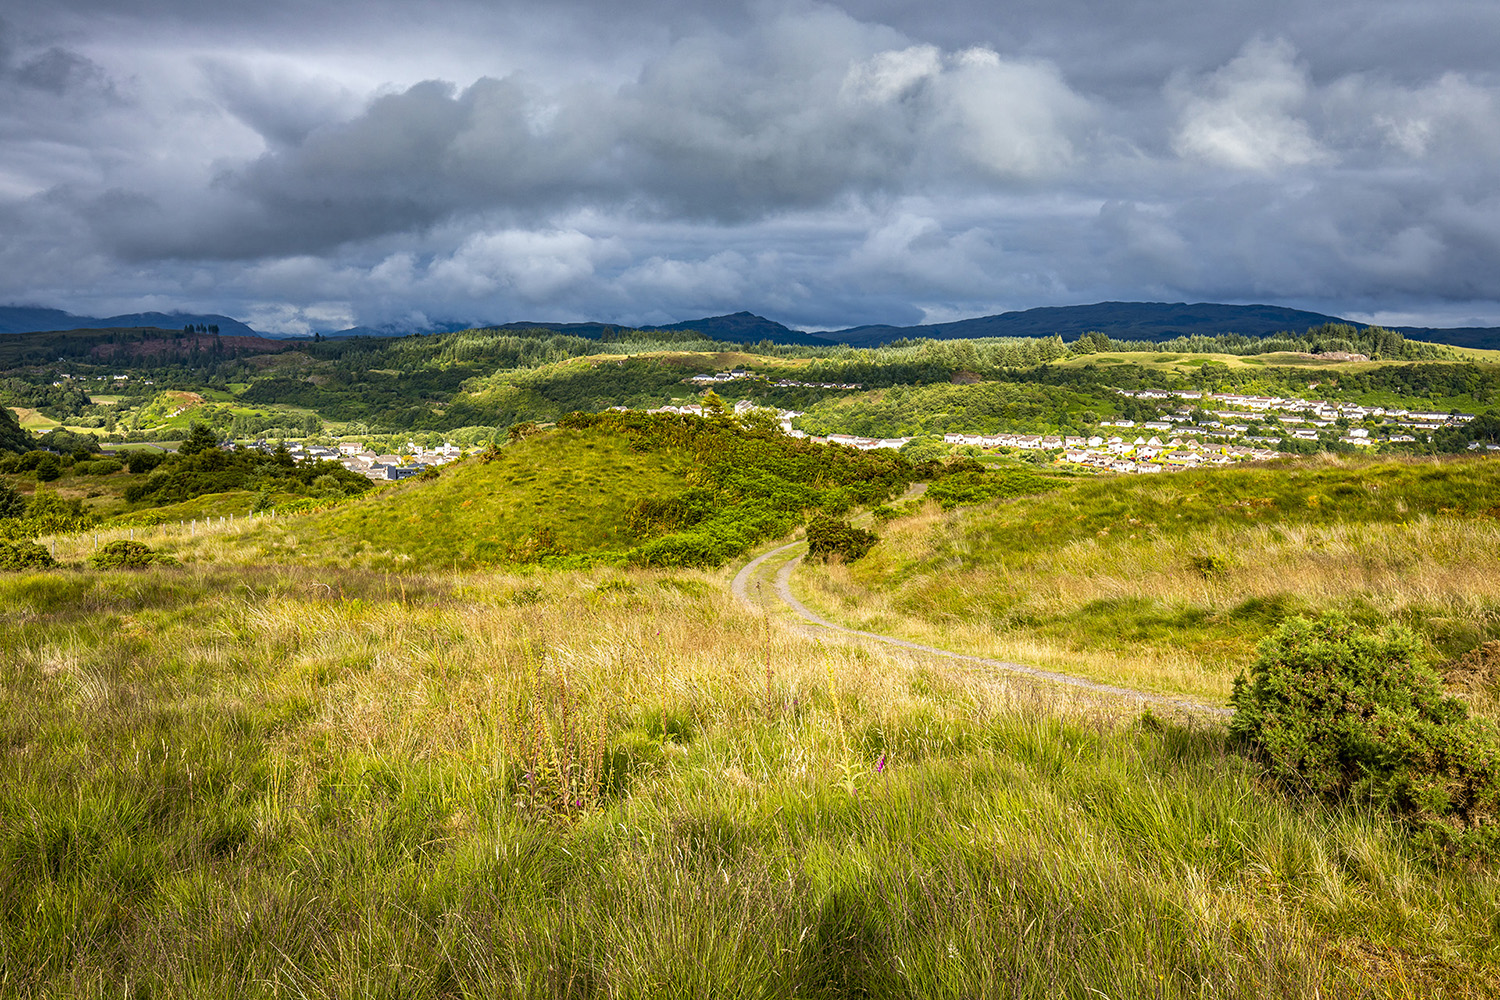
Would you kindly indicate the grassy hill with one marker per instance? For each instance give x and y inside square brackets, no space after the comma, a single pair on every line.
[575,485]
[656,489]
[1168,582]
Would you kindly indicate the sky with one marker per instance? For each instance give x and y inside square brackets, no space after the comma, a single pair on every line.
[320,164]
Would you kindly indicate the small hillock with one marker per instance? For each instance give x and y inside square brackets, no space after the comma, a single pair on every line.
[564,491]
[648,489]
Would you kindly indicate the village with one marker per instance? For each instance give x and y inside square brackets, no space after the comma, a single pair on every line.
[355,457]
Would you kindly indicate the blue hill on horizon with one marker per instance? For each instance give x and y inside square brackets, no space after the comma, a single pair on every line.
[1150,321]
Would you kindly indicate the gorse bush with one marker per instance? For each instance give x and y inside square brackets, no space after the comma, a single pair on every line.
[828,537]
[126,554]
[1349,715]
[46,513]
[24,555]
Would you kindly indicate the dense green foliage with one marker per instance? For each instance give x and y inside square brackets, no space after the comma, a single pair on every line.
[13,437]
[12,503]
[140,461]
[1350,715]
[829,537]
[210,469]
[750,484]
[46,513]
[101,467]
[47,468]
[125,554]
[1374,342]
[21,554]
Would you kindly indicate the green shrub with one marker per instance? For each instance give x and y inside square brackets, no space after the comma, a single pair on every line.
[1210,566]
[100,467]
[126,554]
[827,537]
[12,503]
[1353,716]
[24,555]
[142,462]
[48,468]
[48,514]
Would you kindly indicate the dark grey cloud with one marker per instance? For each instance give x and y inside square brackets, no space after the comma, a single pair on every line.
[317,161]
[59,71]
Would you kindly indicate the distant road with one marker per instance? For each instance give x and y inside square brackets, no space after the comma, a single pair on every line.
[755,574]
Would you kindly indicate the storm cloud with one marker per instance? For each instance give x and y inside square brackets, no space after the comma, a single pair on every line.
[324,164]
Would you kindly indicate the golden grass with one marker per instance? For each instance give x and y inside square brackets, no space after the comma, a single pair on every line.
[1440,571]
[1009,821]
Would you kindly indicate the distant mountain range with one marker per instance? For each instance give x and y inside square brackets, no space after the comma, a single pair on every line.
[1155,321]
[736,328]
[29,319]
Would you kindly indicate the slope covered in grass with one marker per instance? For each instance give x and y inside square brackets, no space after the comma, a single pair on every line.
[575,486]
[659,490]
[1168,581]
[294,781]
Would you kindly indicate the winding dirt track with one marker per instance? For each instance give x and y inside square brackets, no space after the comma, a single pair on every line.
[752,573]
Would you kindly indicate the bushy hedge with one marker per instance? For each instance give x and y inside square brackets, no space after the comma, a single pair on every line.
[828,537]
[24,555]
[99,467]
[1350,715]
[126,554]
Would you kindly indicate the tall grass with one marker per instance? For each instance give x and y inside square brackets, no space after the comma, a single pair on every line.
[278,781]
[1170,584]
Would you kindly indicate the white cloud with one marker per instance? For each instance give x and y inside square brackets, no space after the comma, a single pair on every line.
[888,76]
[534,266]
[1012,119]
[1245,115]
[284,318]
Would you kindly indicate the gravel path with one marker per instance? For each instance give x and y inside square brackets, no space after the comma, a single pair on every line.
[751,578]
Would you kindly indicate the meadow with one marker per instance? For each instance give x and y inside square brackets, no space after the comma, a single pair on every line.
[1168,582]
[285,781]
